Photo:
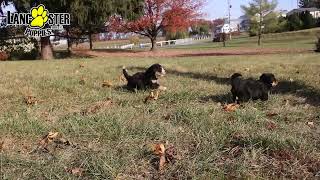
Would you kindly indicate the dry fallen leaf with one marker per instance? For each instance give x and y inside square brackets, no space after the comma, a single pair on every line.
[171,154]
[31,100]
[96,107]
[159,149]
[247,69]
[107,84]
[122,78]
[271,114]
[82,81]
[271,125]
[47,139]
[81,65]
[152,96]
[231,107]
[75,171]
[167,117]
[62,141]
[311,124]
[1,145]
[162,162]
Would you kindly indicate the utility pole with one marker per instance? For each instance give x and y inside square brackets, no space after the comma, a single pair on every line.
[229,18]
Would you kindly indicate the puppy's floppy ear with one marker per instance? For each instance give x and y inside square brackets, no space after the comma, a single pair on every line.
[263,77]
[236,75]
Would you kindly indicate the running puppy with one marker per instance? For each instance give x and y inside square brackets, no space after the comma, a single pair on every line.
[146,80]
[245,89]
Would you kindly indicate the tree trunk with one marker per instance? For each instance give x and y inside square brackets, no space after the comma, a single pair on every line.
[260,31]
[153,44]
[69,41]
[224,39]
[260,25]
[90,40]
[46,49]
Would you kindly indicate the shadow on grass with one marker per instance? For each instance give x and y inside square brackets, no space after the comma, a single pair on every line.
[200,76]
[115,50]
[221,98]
[299,89]
[62,54]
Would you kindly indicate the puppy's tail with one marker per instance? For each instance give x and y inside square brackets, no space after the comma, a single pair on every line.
[125,73]
[235,75]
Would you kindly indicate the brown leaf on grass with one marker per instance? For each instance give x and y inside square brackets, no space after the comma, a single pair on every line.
[171,154]
[162,162]
[272,114]
[62,141]
[247,69]
[311,124]
[1,145]
[31,100]
[82,81]
[107,84]
[167,117]
[75,171]
[81,65]
[159,149]
[52,138]
[122,78]
[154,95]
[271,125]
[47,139]
[168,155]
[96,107]
[287,102]
[231,107]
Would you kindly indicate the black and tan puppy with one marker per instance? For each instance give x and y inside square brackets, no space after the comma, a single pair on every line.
[245,89]
[146,80]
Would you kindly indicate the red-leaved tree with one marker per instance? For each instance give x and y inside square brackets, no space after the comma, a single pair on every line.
[158,15]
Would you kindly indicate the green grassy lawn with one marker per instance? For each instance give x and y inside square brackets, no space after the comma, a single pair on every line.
[210,143]
[298,39]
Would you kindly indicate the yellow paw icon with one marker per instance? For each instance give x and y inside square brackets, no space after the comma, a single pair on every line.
[40,16]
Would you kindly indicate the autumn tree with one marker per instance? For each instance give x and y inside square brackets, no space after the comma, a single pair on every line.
[201,27]
[261,13]
[159,15]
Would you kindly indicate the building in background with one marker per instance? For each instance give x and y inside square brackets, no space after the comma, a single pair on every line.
[240,24]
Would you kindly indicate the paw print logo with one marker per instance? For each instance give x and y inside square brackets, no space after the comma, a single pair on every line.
[40,16]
